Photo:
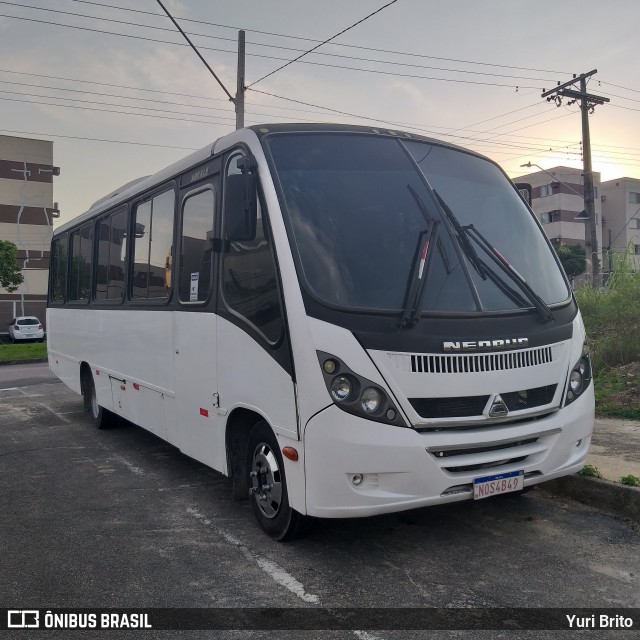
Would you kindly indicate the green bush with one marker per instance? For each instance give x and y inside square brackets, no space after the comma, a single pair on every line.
[612,320]
[590,471]
[630,481]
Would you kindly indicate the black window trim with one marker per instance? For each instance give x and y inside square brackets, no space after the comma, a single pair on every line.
[243,150]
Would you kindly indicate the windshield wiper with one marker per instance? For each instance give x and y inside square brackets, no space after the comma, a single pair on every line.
[420,266]
[468,232]
[543,309]
[463,238]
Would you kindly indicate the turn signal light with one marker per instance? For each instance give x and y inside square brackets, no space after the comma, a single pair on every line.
[290,453]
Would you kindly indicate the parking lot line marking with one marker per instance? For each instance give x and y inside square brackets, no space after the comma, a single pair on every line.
[55,413]
[273,570]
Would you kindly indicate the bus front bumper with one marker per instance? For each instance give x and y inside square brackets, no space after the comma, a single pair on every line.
[402,469]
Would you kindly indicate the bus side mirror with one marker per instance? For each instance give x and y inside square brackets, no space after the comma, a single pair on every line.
[241,207]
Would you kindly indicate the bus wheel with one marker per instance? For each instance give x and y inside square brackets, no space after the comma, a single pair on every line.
[268,487]
[99,416]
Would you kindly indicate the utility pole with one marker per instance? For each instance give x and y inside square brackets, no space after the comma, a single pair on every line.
[588,103]
[239,101]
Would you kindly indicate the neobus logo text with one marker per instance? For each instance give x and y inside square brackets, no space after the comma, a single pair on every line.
[485,345]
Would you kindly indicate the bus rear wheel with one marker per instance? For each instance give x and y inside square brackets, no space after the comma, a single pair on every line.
[268,486]
[100,417]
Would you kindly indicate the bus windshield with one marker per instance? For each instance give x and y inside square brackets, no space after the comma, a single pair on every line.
[358,209]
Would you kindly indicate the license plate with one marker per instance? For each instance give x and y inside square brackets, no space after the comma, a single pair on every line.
[500,483]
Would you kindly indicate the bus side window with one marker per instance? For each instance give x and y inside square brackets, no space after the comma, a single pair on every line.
[81,255]
[58,269]
[250,279]
[196,247]
[112,239]
[153,247]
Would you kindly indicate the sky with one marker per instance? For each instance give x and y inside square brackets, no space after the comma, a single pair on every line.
[121,94]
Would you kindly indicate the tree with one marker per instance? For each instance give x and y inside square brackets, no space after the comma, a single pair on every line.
[10,274]
[573,258]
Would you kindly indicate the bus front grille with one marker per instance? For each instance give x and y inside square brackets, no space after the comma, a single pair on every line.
[486,457]
[477,362]
[470,406]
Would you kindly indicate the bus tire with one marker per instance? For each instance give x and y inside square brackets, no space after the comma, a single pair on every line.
[268,487]
[100,417]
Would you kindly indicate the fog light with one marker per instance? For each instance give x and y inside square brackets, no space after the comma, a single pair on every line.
[356,479]
[329,366]
[391,415]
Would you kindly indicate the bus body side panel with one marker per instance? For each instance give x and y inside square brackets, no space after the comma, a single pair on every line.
[251,379]
[198,430]
[98,337]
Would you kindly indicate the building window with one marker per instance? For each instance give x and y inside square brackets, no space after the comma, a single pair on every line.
[595,193]
[634,197]
[636,248]
[549,216]
[546,190]
[153,247]
[634,223]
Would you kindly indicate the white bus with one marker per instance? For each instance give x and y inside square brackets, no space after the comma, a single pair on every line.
[347,321]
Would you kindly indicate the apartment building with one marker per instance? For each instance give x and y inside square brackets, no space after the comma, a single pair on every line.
[558,201]
[621,220]
[26,216]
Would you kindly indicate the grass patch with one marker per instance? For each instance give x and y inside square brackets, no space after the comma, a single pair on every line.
[26,351]
[590,471]
[630,481]
[612,320]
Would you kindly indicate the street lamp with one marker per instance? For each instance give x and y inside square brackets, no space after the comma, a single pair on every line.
[529,164]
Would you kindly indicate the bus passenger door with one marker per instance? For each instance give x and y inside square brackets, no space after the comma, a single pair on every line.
[195,426]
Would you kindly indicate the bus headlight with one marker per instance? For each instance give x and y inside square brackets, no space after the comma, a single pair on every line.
[341,388]
[357,395]
[371,400]
[575,381]
[579,378]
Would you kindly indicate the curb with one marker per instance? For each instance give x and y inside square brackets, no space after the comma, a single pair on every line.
[31,361]
[595,492]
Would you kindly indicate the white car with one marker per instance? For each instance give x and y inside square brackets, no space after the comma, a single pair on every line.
[26,328]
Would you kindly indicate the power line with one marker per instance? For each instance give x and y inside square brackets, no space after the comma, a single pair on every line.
[355,24]
[129,113]
[321,109]
[259,44]
[374,71]
[206,64]
[337,44]
[130,142]
[332,55]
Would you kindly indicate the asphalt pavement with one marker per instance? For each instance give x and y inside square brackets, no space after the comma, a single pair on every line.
[119,518]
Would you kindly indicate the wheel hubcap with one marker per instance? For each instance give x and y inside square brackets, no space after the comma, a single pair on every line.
[266,485]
